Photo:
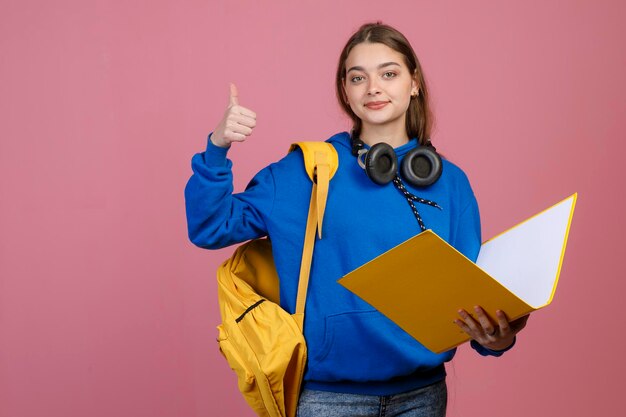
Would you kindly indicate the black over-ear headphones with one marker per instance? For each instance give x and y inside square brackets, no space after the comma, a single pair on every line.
[420,167]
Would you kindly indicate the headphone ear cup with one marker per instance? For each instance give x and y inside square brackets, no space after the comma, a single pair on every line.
[381,164]
[421,166]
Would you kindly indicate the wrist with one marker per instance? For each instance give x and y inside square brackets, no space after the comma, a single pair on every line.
[501,347]
[214,142]
[485,351]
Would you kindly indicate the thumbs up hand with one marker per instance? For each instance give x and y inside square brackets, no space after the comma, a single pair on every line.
[237,123]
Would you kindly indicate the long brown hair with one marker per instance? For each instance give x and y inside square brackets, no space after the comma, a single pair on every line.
[419,118]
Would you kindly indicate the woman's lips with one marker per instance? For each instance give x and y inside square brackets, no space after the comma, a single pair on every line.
[376,105]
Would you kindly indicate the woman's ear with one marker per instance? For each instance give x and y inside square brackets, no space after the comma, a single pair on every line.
[415,86]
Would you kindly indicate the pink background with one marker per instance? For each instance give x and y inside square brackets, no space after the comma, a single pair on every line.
[106,309]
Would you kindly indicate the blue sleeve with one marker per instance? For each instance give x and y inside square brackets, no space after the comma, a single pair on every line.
[215,216]
[488,352]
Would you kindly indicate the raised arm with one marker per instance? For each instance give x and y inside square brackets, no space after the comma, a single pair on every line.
[215,216]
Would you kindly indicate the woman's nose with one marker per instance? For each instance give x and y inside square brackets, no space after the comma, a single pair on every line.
[373,88]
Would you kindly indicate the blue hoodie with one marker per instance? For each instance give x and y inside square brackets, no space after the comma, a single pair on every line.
[351,346]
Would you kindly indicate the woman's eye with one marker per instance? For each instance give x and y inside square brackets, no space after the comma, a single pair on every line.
[389,74]
[356,79]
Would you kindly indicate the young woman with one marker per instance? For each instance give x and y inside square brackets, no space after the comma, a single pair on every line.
[359,362]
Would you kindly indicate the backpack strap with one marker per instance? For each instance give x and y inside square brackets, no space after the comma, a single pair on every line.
[321,163]
[309,149]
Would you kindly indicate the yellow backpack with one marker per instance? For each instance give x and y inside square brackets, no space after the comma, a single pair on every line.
[263,343]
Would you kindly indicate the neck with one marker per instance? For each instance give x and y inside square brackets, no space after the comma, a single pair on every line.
[393,136]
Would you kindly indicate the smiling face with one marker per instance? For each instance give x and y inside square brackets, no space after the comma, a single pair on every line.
[378,87]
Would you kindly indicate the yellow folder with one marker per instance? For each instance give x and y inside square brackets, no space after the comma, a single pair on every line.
[421,283]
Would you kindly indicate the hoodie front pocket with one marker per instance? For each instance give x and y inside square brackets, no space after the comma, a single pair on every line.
[365,346]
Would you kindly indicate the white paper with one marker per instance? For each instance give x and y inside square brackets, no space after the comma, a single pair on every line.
[526,259]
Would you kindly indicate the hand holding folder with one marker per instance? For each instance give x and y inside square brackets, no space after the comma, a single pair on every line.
[516,271]
[498,335]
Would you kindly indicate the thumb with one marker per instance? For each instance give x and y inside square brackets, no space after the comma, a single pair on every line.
[234,95]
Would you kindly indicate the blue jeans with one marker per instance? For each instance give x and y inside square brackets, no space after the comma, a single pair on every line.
[429,401]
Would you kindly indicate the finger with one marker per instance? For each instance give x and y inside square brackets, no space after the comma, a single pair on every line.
[235,136]
[522,321]
[470,322]
[518,324]
[463,326]
[237,109]
[485,322]
[503,322]
[235,127]
[244,130]
[243,120]
[234,95]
